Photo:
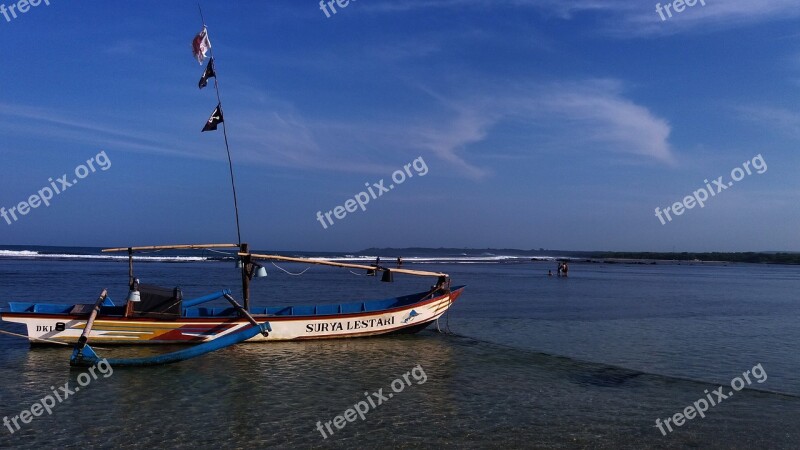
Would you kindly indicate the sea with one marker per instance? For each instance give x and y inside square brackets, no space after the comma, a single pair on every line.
[522,359]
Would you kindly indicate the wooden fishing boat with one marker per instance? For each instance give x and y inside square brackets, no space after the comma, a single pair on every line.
[162,316]
[155,315]
[65,323]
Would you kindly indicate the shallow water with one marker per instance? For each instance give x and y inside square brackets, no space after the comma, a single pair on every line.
[589,361]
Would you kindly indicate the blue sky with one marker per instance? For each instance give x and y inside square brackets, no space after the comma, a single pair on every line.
[544,123]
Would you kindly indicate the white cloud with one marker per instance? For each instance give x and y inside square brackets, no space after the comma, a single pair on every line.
[580,116]
[592,115]
[60,125]
[601,115]
[781,119]
[626,18]
[714,15]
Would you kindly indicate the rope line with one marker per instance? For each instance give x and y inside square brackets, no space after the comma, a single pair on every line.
[290,273]
[33,338]
[221,252]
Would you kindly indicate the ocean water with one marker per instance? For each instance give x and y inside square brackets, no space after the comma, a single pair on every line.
[529,361]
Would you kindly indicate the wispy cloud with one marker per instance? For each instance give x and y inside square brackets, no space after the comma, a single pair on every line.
[55,124]
[714,15]
[600,114]
[576,116]
[625,18]
[561,8]
[592,114]
[781,119]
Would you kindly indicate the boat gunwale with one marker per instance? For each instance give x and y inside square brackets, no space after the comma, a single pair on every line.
[234,319]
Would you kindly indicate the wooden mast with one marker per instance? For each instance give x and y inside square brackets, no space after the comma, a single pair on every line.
[242,247]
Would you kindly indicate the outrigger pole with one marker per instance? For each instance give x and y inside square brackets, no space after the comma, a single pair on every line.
[322,262]
[256,256]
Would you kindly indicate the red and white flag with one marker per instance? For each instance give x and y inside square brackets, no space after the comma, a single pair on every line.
[201,45]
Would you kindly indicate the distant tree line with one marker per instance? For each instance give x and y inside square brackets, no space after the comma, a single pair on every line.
[742,257]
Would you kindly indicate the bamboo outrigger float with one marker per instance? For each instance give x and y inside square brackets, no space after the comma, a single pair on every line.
[156,315]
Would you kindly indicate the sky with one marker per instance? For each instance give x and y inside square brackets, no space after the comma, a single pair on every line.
[557,124]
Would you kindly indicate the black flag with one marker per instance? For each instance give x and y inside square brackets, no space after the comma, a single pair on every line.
[209,73]
[214,120]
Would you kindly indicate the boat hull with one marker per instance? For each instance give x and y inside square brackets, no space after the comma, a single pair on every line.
[108,330]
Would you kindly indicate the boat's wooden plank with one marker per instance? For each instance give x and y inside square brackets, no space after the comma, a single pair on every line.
[170,247]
